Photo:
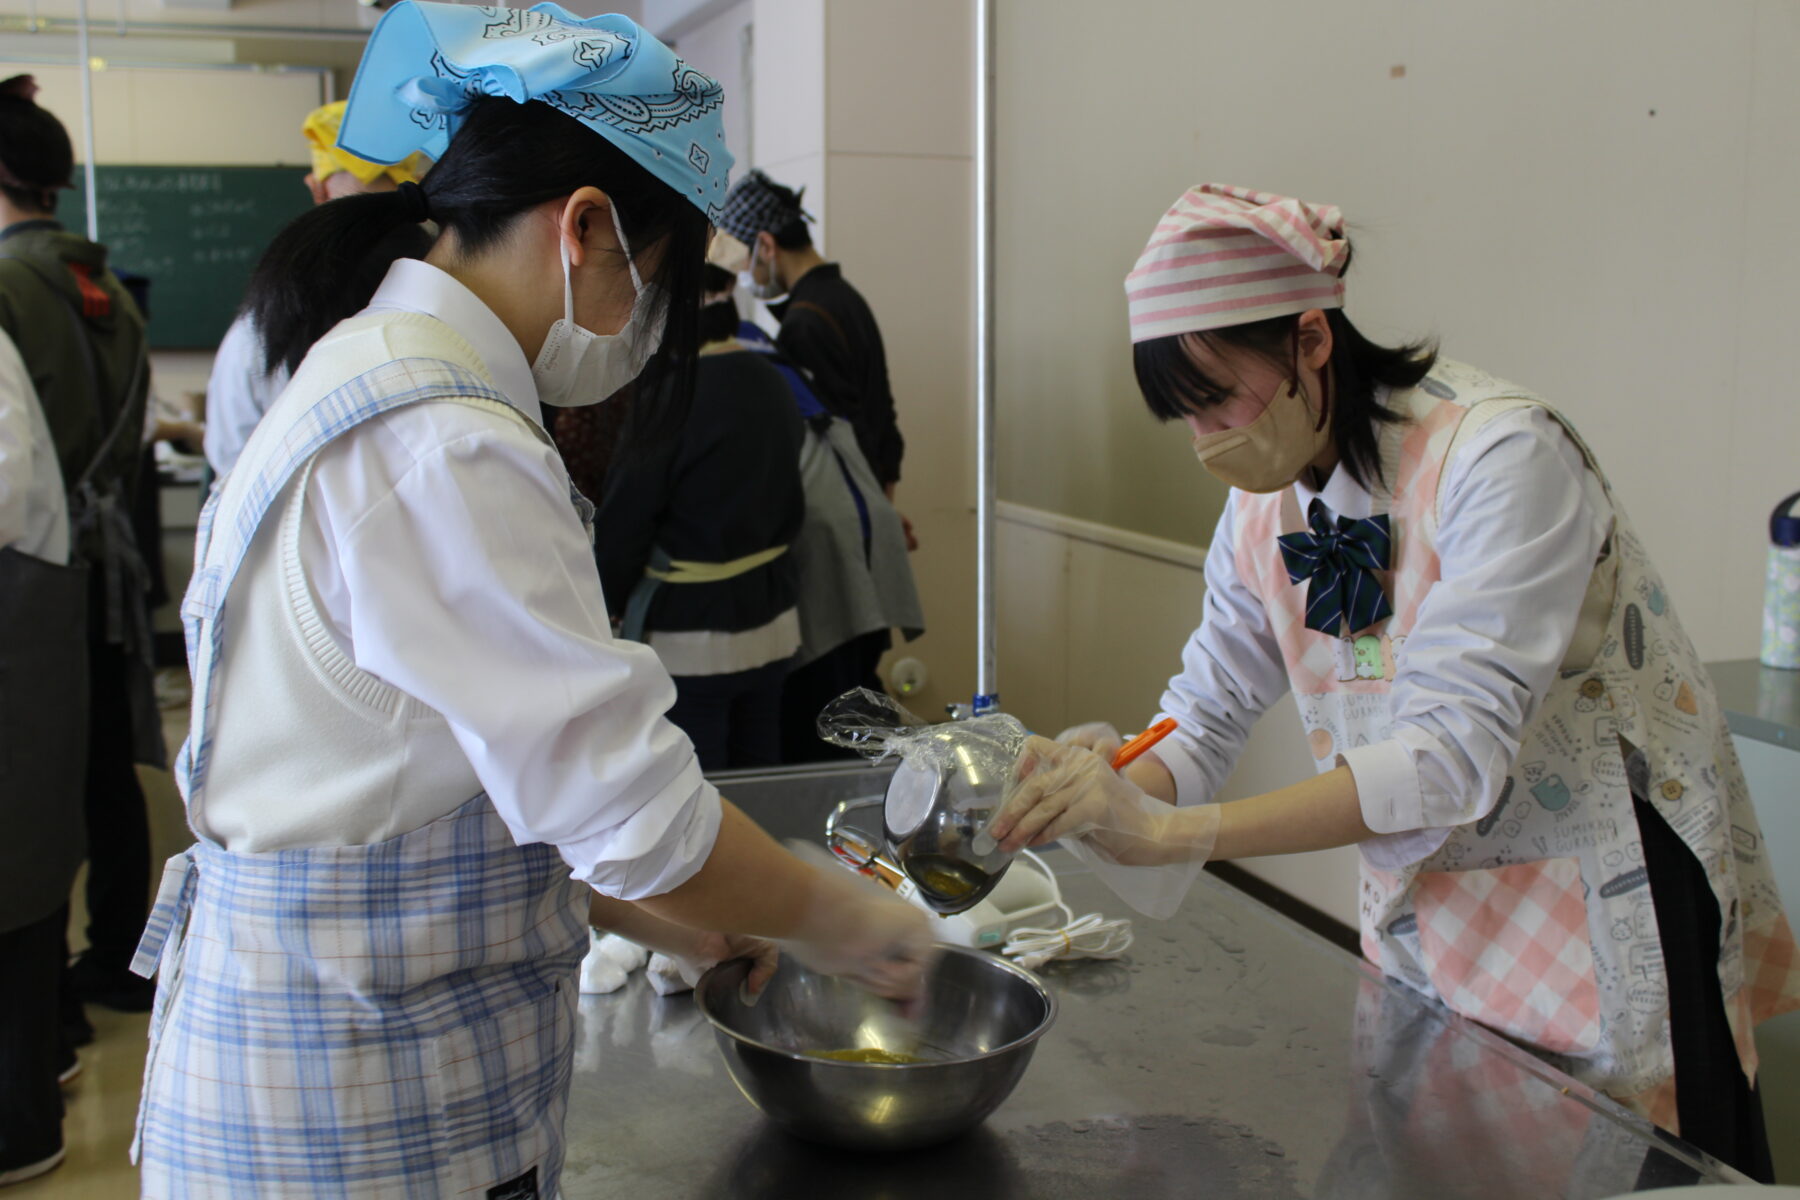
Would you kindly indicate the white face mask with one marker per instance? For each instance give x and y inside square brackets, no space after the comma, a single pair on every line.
[762,291]
[578,367]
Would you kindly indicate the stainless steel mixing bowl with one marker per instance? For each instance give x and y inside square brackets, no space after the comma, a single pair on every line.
[980,1022]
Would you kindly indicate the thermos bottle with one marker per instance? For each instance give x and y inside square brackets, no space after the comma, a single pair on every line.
[1781,589]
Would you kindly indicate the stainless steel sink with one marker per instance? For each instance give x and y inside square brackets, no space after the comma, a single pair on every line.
[793,802]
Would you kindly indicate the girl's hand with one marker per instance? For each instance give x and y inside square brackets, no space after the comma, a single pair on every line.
[710,949]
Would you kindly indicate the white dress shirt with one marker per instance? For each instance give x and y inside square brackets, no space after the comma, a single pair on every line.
[440,544]
[238,393]
[34,511]
[1523,521]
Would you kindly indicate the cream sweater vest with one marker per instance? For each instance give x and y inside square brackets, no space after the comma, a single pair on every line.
[309,749]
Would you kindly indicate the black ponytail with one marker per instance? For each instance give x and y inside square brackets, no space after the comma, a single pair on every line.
[1174,383]
[505,159]
[315,273]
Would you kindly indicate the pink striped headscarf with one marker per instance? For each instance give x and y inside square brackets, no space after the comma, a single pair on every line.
[1228,256]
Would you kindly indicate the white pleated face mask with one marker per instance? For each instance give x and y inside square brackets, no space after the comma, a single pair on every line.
[578,367]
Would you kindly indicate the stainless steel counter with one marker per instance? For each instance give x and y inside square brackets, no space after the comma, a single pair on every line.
[1234,1054]
[1760,702]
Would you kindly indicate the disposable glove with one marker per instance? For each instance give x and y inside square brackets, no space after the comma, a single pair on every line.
[1147,851]
[1097,736]
[861,931]
[670,973]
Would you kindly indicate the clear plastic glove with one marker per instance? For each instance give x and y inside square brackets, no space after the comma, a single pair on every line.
[1148,851]
[861,931]
[1098,736]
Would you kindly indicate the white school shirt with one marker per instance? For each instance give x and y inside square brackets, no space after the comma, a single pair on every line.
[443,551]
[34,511]
[1523,521]
[238,392]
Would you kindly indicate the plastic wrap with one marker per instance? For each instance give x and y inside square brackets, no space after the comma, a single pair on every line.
[950,781]
[1147,851]
[877,727]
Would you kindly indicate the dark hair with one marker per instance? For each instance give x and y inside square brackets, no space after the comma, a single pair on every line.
[505,159]
[718,321]
[34,148]
[1174,384]
[793,235]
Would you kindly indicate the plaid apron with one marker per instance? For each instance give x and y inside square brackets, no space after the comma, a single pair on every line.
[1537,920]
[394,1019]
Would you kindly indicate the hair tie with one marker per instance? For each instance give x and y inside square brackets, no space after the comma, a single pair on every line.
[418,205]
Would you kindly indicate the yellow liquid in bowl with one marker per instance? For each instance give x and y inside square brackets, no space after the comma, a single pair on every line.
[867,1054]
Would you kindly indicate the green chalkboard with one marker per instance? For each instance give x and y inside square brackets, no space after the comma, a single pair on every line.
[196,232]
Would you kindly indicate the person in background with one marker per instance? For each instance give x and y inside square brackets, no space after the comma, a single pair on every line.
[417,751]
[694,540]
[43,734]
[246,378]
[856,584]
[1503,710]
[827,328]
[589,438]
[82,340]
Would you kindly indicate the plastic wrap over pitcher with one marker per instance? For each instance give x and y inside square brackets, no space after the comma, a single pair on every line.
[948,786]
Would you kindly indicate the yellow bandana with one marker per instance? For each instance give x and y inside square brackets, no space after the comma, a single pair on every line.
[321,130]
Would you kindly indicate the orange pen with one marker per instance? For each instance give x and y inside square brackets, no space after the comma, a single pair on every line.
[1129,752]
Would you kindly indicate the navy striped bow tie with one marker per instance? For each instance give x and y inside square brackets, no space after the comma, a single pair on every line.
[1340,557]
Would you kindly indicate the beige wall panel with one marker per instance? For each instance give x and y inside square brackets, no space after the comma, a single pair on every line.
[1584,219]
[1128,619]
[912,87]
[264,126]
[1763,464]
[1032,567]
[945,570]
[901,229]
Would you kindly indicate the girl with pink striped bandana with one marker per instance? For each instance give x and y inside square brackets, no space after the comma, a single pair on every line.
[1504,712]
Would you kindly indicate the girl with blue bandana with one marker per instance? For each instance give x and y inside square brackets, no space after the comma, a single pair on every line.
[1504,713]
[420,762]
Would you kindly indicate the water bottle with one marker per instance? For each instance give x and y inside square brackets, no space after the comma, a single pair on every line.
[1781,589]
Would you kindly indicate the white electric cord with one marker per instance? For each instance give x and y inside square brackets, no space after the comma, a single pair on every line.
[1089,936]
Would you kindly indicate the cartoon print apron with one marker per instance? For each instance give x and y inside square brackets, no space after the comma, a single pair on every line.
[394,1019]
[1537,919]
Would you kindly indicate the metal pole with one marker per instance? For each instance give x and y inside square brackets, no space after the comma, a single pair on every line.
[987,692]
[87,125]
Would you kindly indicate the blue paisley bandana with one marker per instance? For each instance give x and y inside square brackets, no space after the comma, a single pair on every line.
[425,60]
[1339,559]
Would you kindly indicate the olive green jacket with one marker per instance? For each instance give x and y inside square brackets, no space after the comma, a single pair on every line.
[47,276]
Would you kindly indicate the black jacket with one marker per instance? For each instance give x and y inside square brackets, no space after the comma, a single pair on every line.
[828,330]
[725,487]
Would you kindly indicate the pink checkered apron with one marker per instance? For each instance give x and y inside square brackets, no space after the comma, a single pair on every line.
[1537,919]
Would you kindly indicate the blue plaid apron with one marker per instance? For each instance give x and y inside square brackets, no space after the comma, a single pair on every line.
[394,1019]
